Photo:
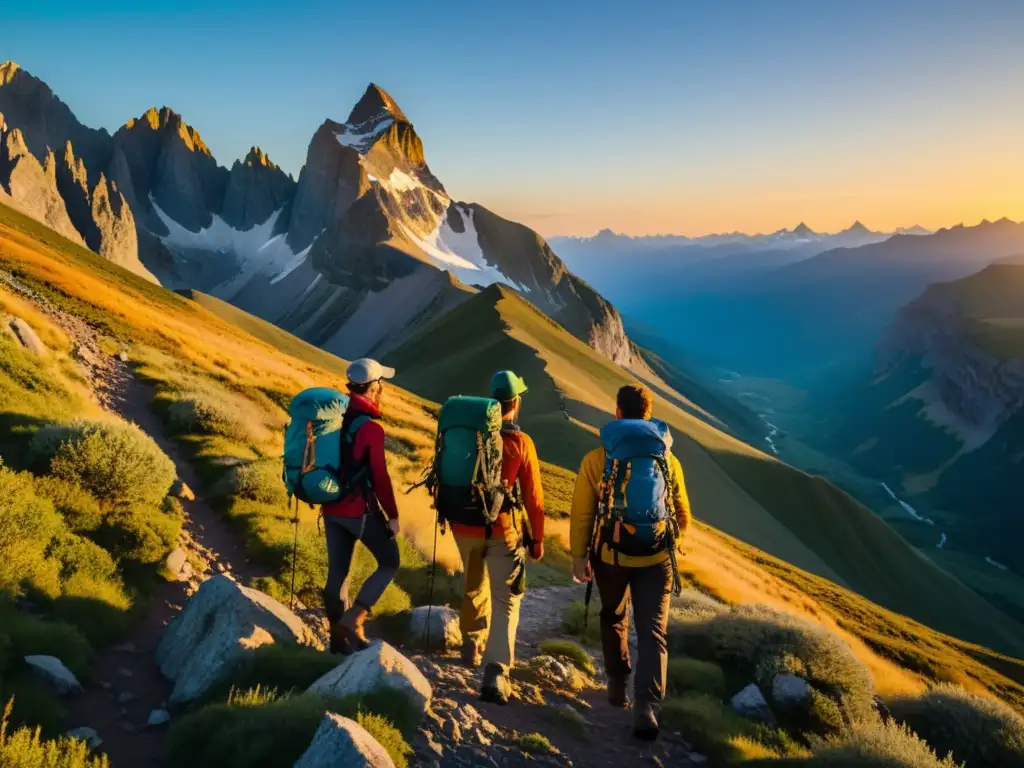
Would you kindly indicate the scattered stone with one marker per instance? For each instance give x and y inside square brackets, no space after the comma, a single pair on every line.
[88,735]
[86,355]
[220,625]
[180,490]
[125,672]
[751,704]
[175,562]
[122,356]
[51,670]
[789,691]
[221,568]
[106,686]
[125,648]
[432,745]
[697,757]
[343,743]
[437,624]
[126,726]
[451,729]
[126,698]
[26,336]
[377,666]
[158,717]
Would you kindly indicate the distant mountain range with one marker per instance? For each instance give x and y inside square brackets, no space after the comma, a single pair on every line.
[622,265]
[358,251]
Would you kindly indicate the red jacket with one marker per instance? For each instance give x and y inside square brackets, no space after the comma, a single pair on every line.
[368,446]
[519,461]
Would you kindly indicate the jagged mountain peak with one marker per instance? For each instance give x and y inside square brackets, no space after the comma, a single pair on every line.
[166,120]
[257,157]
[375,103]
[857,228]
[8,71]
[802,230]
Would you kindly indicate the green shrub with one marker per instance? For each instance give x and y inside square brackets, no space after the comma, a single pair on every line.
[27,526]
[752,642]
[212,413]
[117,463]
[572,623]
[976,730]
[257,481]
[536,744]
[32,705]
[25,748]
[80,510]
[29,635]
[387,736]
[272,734]
[718,732]
[140,533]
[878,744]
[694,675]
[278,668]
[568,650]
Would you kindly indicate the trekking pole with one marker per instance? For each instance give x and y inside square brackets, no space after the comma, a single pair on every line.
[433,573]
[295,553]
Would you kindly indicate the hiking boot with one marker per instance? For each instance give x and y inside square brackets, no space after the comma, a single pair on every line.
[617,691]
[471,656]
[353,626]
[339,640]
[645,721]
[496,688]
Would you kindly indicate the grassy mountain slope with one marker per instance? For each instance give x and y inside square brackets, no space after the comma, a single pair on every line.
[801,519]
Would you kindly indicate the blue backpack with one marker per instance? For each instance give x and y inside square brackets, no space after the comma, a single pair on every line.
[635,515]
[312,446]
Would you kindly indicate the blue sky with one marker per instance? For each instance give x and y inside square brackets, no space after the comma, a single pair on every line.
[644,116]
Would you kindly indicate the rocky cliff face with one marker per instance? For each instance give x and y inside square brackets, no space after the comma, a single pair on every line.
[946,329]
[345,243]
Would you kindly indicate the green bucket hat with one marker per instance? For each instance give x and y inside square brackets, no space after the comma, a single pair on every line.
[505,385]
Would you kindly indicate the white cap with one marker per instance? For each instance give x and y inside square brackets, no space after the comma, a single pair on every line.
[364,370]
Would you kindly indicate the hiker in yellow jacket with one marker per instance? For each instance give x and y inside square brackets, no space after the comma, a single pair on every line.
[604,556]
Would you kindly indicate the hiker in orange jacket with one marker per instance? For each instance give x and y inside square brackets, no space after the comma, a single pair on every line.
[495,565]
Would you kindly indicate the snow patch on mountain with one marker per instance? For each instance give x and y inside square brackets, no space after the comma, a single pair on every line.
[360,137]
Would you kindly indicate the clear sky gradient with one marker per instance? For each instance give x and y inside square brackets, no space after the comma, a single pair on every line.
[673,116]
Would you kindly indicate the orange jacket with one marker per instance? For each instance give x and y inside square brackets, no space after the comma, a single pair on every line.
[519,462]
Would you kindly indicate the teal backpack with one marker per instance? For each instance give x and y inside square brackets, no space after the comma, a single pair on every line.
[312,445]
[465,476]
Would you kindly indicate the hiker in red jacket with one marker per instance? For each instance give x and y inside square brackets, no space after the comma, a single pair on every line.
[369,514]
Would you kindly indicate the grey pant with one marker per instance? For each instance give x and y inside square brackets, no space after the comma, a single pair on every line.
[342,533]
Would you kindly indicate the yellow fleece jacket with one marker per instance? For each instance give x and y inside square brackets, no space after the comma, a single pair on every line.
[584,509]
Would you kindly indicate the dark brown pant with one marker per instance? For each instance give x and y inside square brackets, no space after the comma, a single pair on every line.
[649,590]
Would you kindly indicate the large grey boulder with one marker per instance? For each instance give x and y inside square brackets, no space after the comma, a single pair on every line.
[26,336]
[435,625]
[221,624]
[343,743]
[789,691]
[379,666]
[751,704]
[52,671]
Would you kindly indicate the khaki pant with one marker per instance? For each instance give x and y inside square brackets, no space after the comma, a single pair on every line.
[495,576]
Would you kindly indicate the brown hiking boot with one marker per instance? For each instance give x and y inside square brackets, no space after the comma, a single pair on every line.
[496,688]
[339,640]
[353,627]
[645,721]
[471,655]
[617,691]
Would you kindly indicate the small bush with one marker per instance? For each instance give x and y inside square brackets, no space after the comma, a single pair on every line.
[387,736]
[752,642]
[140,533]
[572,623]
[536,744]
[257,481]
[694,675]
[248,734]
[31,636]
[80,510]
[213,413]
[25,748]
[878,744]
[278,668]
[568,650]
[976,730]
[115,462]
[27,526]
[32,705]
[571,720]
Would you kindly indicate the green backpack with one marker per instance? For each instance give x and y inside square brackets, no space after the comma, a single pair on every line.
[465,477]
